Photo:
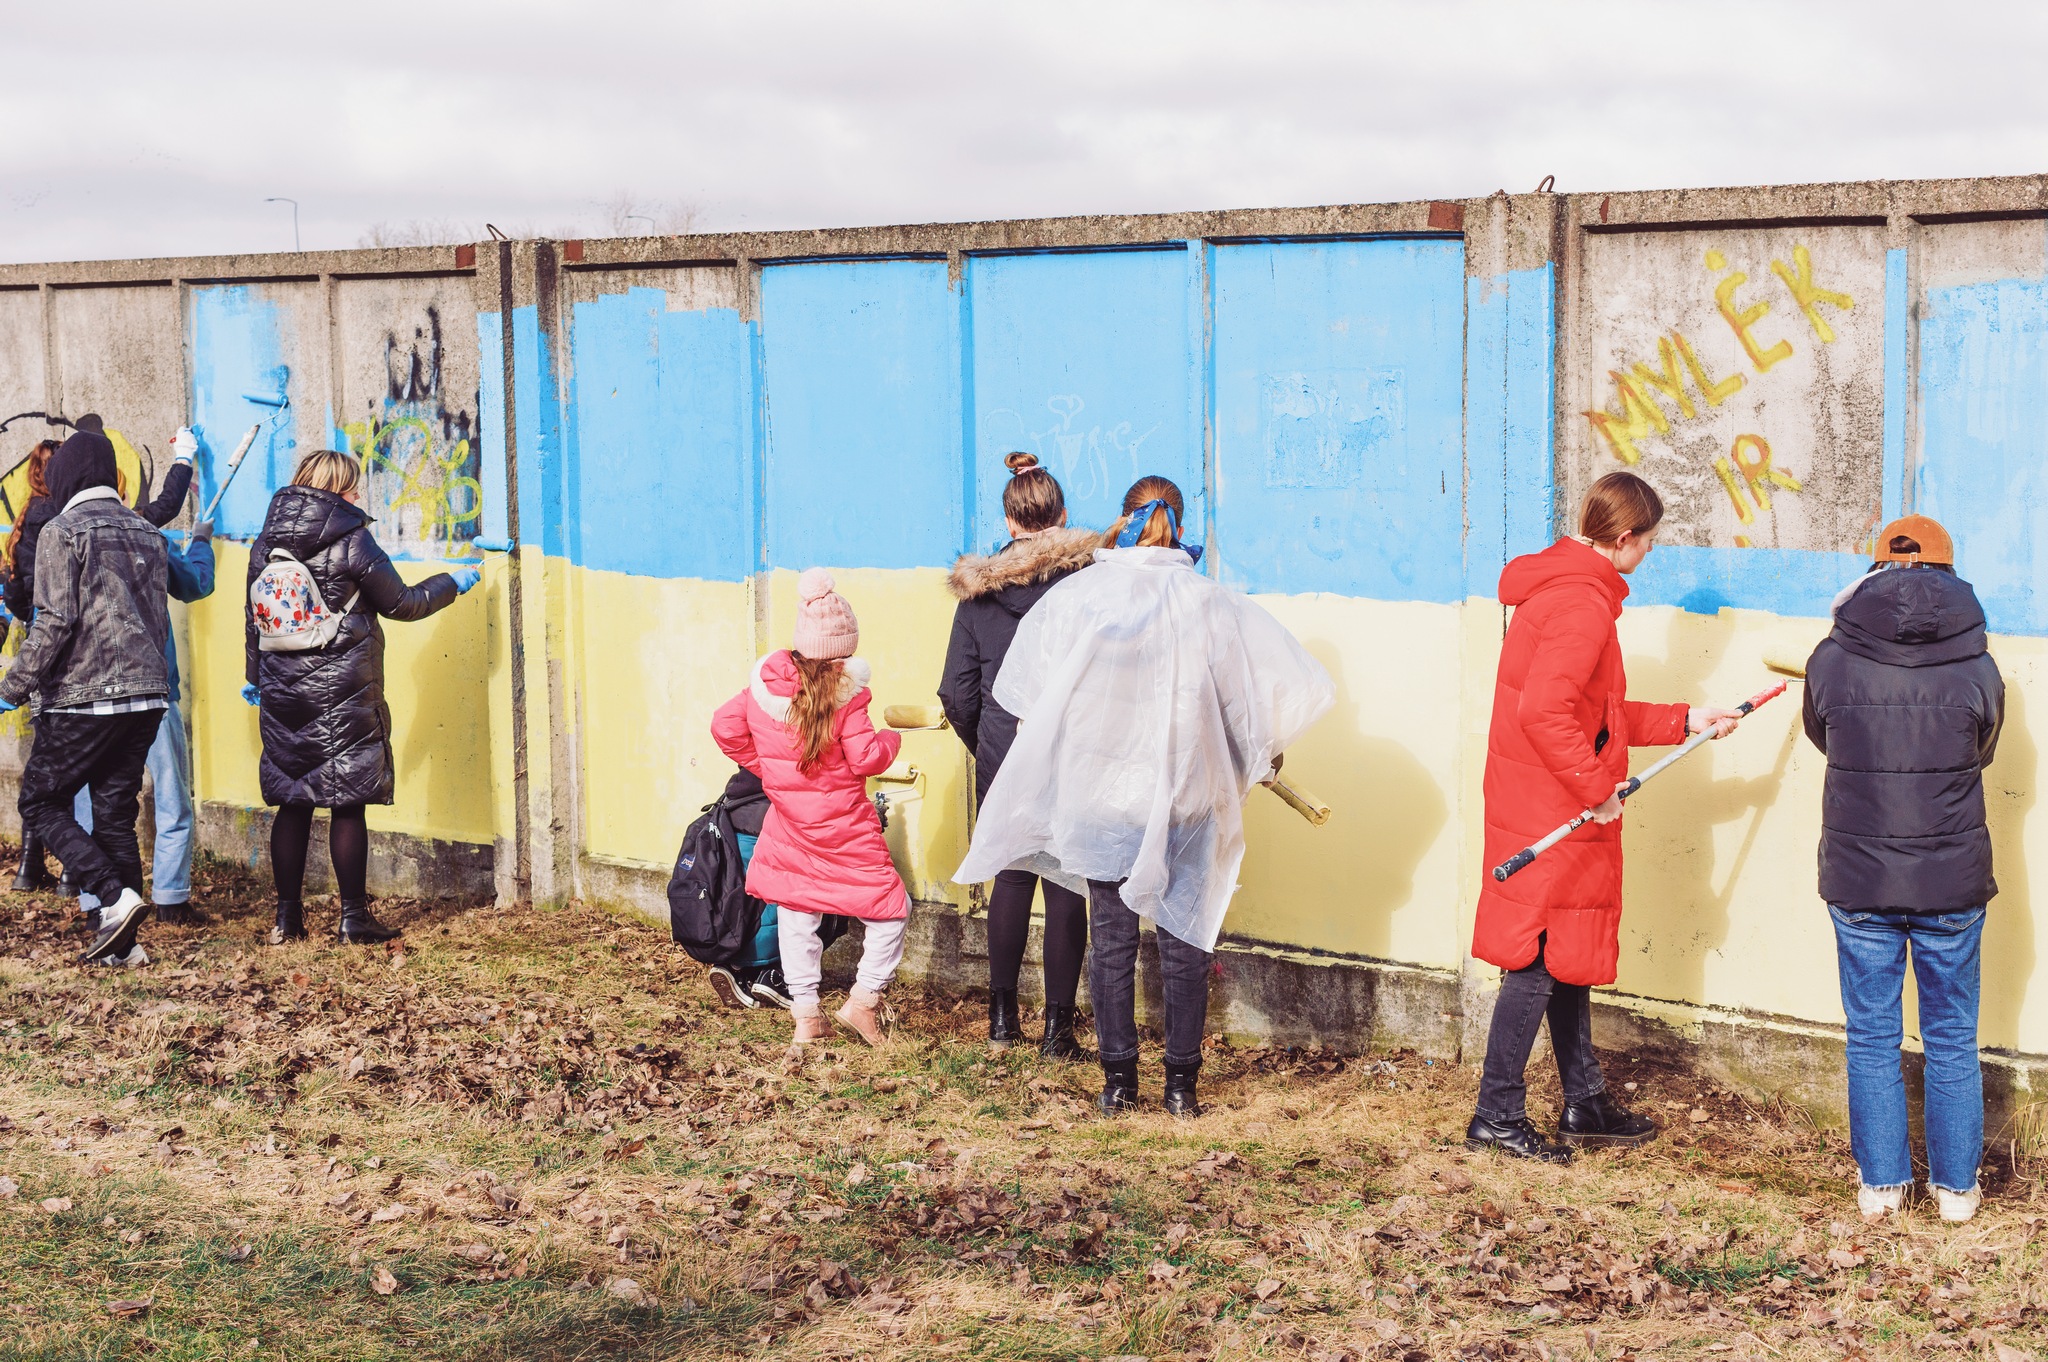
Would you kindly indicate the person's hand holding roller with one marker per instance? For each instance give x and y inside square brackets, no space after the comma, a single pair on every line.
[465,578]
[184,445]
[1706,718]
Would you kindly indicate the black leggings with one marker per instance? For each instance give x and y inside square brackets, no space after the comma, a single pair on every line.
[348,845]
[1066,934]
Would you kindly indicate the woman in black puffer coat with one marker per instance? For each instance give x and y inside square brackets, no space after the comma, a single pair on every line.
[326,729]
[994,593]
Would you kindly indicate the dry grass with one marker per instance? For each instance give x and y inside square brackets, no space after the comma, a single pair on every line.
[539,1131]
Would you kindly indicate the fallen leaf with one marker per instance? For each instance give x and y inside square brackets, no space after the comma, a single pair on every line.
[355,1067]
[626,1150]
[56,1204]
[476,1253]
[1266,1288]
[382,1282]
[1846,1257]
[1735,1187]
[130,1309]
[1700,1116]
[2005,1352]
[856,1175]
[1455,1180]
[9,1189]
[240,1253]
[384,1215]
[628,1290]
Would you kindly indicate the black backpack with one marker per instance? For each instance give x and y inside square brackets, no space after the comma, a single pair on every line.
[710,913]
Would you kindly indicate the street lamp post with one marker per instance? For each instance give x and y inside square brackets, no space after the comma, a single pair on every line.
[295,217]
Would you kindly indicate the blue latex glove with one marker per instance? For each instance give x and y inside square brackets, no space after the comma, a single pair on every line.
[8,706]
[249,694]
[465,578]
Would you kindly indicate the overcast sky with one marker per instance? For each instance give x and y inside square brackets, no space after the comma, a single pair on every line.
[137,129]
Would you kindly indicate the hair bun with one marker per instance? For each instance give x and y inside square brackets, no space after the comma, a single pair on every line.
[1017,461]
[813,584]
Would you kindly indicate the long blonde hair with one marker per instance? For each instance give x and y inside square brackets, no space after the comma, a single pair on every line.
[814,707]
[1159,531]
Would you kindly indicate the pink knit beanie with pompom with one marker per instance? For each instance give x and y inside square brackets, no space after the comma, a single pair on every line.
[825,626]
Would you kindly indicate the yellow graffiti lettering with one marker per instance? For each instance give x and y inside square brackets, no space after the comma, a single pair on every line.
[1748,468]
[1807,294]
[1632,418]
[430,479]
[1669,380]
[1715,393]
[1727,476]
[1741,320]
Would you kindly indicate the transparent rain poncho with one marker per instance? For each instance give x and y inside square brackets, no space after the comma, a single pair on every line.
[1151,700]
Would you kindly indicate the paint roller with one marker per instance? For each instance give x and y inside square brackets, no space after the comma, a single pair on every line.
[280,401]
[923,718]
[1521,859]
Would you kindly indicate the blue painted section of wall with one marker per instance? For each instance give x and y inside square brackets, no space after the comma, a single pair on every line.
[863,380]
[1339,417]
[1983,467]
[1087,361]
[1898,380]
[659,416]
[239,346]
[539,409]
[493,517]
[1781,581]
[1509,361]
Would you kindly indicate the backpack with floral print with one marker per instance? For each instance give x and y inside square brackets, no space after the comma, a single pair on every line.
[285,603]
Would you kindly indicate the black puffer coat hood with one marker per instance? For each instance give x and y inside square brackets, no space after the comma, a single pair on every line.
[995,592]
[1907,703]
[326,729]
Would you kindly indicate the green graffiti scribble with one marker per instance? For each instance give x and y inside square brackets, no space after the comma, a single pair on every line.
[430,479]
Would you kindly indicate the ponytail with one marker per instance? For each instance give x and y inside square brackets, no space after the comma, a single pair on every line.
[1161,528]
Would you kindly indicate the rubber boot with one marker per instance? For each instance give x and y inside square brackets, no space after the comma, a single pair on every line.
[1004,1029]
[1059,1042]
[67,888]
[360,928]
[35,870]
[291,922]
[1180,1090]
[1119,1086]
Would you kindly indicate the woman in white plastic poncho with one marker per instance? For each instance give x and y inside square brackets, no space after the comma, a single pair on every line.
[1152,699]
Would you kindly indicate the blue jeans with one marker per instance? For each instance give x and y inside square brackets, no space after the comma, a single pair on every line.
[170,771]
[1871,949]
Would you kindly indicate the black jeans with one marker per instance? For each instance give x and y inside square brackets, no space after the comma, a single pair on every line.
[1113,982]
[1009,926]
[106,752]
[1527,996]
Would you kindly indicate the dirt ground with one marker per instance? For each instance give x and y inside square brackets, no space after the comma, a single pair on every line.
[535,1135]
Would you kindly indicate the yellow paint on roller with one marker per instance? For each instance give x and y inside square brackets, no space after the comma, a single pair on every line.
[434,680]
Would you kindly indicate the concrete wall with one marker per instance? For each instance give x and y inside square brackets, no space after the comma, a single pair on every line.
[1371,408]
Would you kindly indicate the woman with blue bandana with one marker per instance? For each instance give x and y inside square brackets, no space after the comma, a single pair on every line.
[1151,699]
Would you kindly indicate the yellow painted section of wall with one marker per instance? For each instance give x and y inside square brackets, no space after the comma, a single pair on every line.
[660,656]
[1381,878]
[436,674]
[1722,889]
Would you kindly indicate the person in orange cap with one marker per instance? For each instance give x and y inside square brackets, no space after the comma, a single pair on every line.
[1907,703]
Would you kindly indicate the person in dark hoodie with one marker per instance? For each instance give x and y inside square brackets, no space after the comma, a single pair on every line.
[1558,745]
[94,664]
[20,595]
[1907,704]
[994,593]
[325,727]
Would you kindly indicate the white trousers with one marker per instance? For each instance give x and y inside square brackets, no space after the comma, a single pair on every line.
[803,955]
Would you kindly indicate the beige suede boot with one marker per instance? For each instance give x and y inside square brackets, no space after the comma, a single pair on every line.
[811,1026]
[863,1013]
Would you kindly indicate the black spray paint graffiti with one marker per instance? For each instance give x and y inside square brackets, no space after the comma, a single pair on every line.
[419,457]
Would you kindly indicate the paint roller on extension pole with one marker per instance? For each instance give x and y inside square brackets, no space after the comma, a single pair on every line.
[277,400]
[1521,859]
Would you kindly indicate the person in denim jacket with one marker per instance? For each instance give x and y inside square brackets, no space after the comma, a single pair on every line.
[1907,704]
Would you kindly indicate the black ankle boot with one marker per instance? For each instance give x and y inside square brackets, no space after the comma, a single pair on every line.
[1059,1042]
[1518,1139]
[67,888]
[1119,1086]
[1600,1120]
[1004,1030]
[360,928]
[35,871]
[1180,1090]
[291,922]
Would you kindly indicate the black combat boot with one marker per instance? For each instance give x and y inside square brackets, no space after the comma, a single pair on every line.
[291,922]
[1119,1086]
[360,928]
[1060,1042]
[1180,1090]
[35,870]
[1518,1139]
[1600,1120]
[1004,1029]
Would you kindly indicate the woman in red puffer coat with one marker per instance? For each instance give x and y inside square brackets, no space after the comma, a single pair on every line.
[1562,729]
[802,726]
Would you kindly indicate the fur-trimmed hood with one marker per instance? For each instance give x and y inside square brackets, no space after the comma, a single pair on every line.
[1025,562]
[774,683]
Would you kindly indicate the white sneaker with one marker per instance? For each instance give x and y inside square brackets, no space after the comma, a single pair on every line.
[1876,1201]
[1956,1207]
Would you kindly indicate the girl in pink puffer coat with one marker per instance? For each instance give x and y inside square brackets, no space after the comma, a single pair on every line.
[802,726]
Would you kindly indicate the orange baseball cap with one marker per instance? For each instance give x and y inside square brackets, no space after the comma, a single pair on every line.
[1935,545]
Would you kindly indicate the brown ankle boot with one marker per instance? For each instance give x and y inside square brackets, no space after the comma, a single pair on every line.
[863,1013]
